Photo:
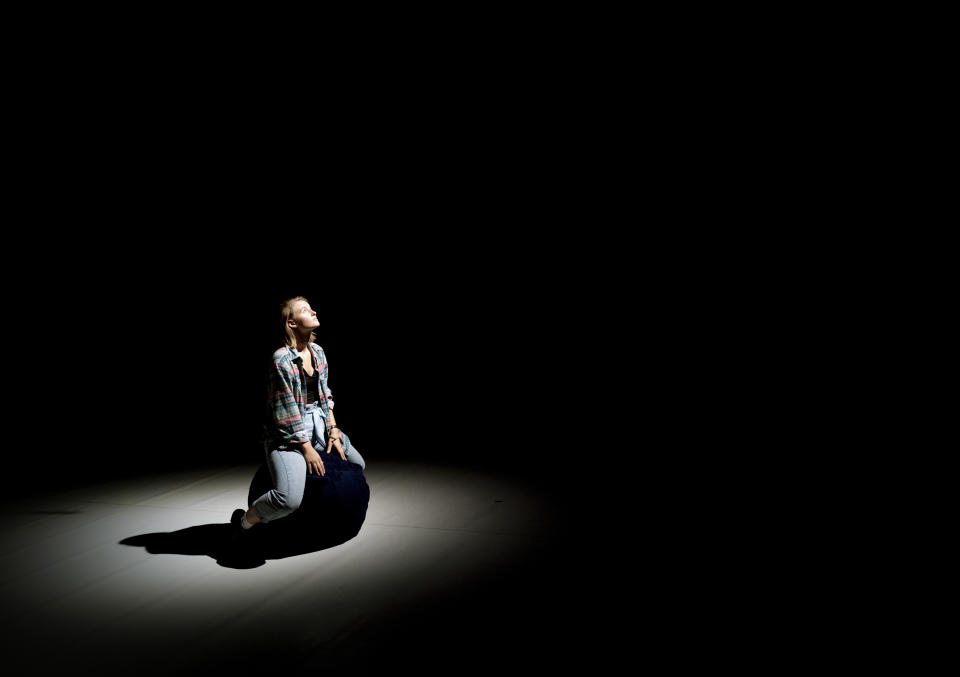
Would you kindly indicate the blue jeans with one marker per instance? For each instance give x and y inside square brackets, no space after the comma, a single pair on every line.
[289,470]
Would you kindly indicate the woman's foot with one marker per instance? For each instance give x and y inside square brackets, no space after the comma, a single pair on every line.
[240,551]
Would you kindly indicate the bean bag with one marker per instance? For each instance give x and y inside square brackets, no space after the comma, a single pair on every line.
[331,512]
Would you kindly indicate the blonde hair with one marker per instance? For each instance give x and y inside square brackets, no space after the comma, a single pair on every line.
[286,309]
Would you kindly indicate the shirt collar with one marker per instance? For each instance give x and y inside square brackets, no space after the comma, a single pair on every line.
[295,356]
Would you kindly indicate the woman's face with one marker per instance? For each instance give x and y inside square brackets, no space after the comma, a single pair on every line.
[305,316]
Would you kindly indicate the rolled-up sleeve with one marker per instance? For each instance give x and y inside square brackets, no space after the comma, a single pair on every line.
[283,406]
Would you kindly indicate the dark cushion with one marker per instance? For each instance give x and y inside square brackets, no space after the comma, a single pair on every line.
[331,512]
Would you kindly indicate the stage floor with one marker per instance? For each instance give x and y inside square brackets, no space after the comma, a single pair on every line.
[452,572]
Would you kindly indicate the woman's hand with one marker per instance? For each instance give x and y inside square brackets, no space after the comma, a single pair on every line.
[335,442]
[314,462]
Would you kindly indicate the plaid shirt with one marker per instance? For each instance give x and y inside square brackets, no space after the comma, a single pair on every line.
[283,425]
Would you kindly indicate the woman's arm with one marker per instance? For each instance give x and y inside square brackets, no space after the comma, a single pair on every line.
[283,406]
[333,432]
[331,421]
[325,389]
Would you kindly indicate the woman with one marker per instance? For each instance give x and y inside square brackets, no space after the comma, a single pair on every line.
[299,419]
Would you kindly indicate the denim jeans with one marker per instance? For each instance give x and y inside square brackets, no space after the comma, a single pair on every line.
[289,470]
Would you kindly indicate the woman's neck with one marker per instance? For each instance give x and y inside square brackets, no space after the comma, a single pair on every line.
[302,344]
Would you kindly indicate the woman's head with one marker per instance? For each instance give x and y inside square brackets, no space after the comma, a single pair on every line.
[298,318]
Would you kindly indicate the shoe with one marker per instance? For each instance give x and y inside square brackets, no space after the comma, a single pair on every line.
[239,549]
[236,517]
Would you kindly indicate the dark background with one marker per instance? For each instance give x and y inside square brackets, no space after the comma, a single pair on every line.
[143,350]
[463,253]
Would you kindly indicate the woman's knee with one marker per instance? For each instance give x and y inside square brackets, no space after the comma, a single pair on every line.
[285,501]
[354,457]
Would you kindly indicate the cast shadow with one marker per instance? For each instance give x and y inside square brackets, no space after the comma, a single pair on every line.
[332,511]
[249,550]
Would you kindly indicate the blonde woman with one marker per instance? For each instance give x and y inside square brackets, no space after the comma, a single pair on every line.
[299,418]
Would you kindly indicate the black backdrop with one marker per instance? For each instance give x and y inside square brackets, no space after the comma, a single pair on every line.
[136,354]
